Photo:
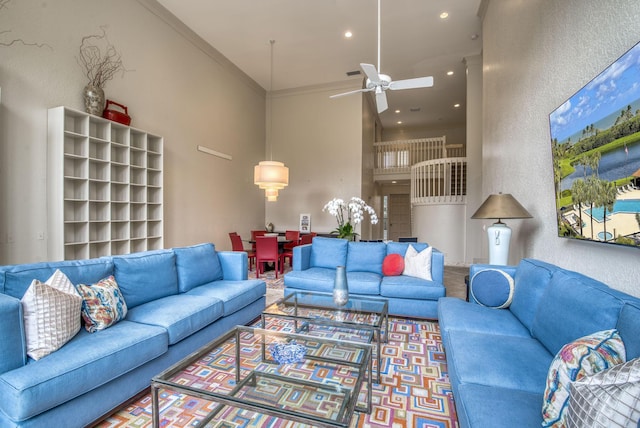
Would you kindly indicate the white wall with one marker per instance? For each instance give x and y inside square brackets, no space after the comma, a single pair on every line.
[455,133]
[320,140]
[537,53]
[173,88]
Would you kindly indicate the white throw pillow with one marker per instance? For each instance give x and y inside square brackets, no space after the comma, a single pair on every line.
[418,264]
[51,314]
[610,398]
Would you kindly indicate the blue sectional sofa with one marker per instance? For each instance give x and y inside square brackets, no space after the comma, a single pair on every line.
[314,269]
[498,359]
[178,300]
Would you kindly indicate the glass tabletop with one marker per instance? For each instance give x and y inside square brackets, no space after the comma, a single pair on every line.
[298,377]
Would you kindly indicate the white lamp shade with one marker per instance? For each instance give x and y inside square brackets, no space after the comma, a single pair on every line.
[271,175]
[271,194]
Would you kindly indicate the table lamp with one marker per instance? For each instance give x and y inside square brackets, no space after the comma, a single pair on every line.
[499,207]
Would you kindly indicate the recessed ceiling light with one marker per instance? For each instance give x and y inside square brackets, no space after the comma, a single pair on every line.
[399,122]
[456,105]
[444,15]
[394,182]
[450,73]
[348,34]
[397,111]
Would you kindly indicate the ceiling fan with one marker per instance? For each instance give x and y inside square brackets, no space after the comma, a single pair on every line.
[379,83]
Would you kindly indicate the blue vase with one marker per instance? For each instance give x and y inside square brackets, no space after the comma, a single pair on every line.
[340,287]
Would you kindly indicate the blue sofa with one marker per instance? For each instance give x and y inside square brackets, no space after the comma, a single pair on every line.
[498,359]
[178,300]
[314,269]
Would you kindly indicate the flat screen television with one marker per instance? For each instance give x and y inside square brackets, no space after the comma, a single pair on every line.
[595,143]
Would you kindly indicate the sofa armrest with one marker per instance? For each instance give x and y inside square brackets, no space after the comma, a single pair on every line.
[235,265]
[13,352]
[302,257]
[437,266]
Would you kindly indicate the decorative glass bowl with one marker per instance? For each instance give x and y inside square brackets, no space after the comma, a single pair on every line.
[288,353]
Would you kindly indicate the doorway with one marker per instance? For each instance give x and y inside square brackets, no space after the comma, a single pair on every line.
[399,216]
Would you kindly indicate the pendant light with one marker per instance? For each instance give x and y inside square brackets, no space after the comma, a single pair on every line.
[271,175]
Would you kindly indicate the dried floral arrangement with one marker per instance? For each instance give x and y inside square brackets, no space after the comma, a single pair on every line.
[100,59]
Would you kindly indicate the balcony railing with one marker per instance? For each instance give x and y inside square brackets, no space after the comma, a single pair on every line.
[439,181]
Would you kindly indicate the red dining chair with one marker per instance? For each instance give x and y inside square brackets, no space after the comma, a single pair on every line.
[294,237]
[254,235]
[266,251]
[306,239]
[237,245]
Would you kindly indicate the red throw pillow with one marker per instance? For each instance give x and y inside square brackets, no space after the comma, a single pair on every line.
[393,265]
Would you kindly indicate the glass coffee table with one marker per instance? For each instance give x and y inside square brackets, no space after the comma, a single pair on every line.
[368,317]
[302,378]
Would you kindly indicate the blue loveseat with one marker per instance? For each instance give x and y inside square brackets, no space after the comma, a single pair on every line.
[498,359]
[314,269]
[178,300]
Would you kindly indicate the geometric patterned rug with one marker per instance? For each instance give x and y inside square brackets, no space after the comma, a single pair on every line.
[414,389]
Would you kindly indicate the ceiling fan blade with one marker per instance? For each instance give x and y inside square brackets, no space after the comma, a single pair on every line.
[418,82]
[381,101]
[351,92]
[371,73]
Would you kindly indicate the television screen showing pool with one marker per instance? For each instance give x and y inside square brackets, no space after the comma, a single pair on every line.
[595,143]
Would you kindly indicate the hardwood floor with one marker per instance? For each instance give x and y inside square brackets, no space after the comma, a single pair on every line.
[454,281]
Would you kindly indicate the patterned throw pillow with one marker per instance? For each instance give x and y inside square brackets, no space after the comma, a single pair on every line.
[393,265]
[418,264]
[610,398]
[582,357]
[51,314]
[102,304]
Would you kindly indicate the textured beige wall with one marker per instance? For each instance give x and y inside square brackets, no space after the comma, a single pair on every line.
[537,53]
[173,89]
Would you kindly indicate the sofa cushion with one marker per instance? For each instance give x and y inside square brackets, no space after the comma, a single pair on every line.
[197,265]
[393,265]
[102,304]
[408,287]
[571,308]
[418,264]
[366,257]
[582,357]
[14,280]
[181,315]
[456,314]
[510,362]
[608,398]
[628,326]
[492,288]
[143,277]
[84,363]
[234,295]
[363,283]
[312,279]
[328,252]
[401,247]
[51,314]
[531,279]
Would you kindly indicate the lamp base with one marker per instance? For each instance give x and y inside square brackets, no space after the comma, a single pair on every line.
[499,235]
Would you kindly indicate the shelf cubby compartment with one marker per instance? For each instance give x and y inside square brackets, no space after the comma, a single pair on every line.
[99,128]
[98,191]
[76,251]
[75,145]
[138,176]
[75,167]
[120,134]
[154,243]
[119,211]
[154,195]
[154,178]
[137,158]
[119,174]
[76,232]
[138,194]
[76,122]
[154,229]
[120,247]
[119,192]
[138,140]
[137,245]
[154,212]
[154,161]
[99,249]
[99,231]
[99,211]
[76,211]
[75,190]
[138,212]
[119,154]
[99,170]
[154,144]
[138,229]
[119,230]
[100,150]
